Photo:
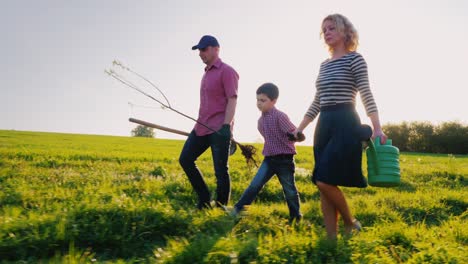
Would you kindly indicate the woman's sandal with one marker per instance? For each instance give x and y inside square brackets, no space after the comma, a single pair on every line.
[357,225]
[356,228]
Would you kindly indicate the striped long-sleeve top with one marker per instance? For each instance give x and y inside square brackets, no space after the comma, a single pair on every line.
[339,81]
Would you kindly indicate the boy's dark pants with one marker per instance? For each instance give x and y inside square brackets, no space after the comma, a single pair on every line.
[283,166]
[193,148]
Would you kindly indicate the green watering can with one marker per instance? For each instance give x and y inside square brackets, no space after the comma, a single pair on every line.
[383,168]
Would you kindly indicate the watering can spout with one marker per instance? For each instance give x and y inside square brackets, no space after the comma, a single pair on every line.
[372,156]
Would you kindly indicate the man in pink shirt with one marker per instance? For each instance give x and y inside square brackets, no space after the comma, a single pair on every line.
[218,99]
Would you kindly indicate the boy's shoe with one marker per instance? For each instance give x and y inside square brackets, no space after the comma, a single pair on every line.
[295,219]
[232,211]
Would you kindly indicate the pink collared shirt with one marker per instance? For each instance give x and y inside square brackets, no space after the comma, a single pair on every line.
[219,83]
[274,126]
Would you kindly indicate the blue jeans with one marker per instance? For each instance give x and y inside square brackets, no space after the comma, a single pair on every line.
[196,146]
[283,166]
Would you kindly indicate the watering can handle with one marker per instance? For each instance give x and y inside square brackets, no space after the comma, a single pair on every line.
[374,153]
[377,141]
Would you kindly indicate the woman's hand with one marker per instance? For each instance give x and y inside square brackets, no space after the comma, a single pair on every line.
[379,133]
[305,122]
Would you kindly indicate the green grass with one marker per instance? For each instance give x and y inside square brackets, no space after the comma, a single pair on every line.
[68,198]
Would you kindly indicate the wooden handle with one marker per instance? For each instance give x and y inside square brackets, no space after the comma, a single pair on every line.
[175,131]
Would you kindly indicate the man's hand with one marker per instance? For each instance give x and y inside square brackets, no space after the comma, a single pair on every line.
[225,131]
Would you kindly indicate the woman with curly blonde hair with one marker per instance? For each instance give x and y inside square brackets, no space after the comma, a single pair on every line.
[337,142]
[344,26]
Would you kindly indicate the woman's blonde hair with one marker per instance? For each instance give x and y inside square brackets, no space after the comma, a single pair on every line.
[343,25]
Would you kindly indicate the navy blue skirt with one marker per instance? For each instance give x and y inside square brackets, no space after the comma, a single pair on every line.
[338,147]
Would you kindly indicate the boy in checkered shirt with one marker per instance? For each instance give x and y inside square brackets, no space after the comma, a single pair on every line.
[278,152]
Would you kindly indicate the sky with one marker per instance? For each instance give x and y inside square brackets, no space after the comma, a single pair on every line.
[54,54]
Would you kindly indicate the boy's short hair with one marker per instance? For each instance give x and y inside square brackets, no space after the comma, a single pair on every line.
[269,89]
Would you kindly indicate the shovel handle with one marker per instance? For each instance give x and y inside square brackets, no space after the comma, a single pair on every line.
[167,129]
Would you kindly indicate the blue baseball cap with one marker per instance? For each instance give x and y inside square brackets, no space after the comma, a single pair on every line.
[206,41]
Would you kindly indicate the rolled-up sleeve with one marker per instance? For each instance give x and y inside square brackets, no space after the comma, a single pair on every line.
[230,82]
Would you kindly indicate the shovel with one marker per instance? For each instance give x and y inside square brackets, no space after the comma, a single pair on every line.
[232,148]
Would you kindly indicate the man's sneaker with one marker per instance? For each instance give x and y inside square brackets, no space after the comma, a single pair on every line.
[204,205]
[226,208]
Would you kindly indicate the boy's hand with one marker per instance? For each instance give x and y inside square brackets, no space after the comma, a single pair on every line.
[299,137]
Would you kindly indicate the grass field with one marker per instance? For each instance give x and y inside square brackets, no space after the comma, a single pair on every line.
[68,198]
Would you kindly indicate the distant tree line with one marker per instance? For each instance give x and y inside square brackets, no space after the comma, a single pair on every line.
[417,136]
